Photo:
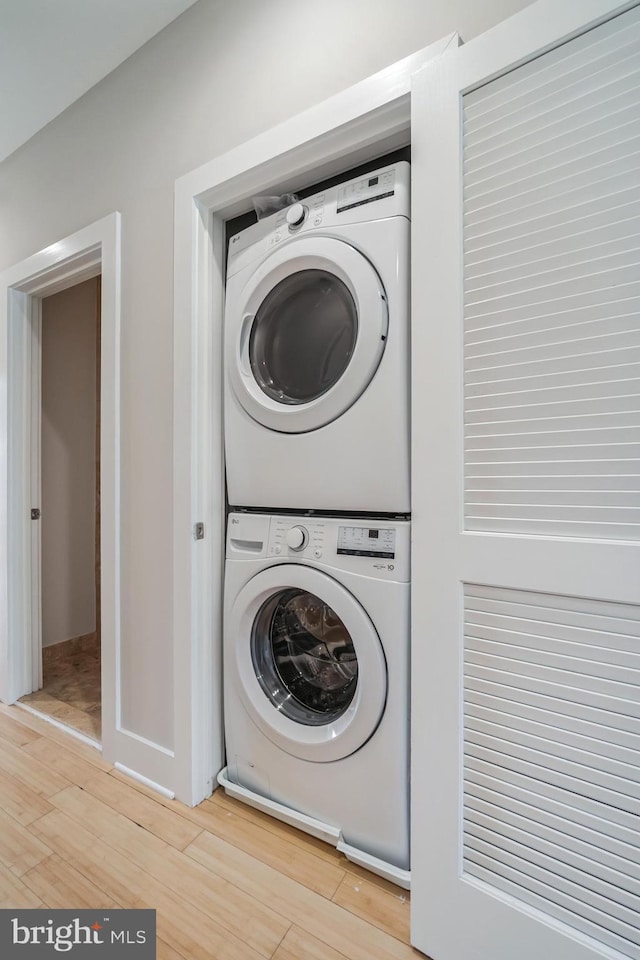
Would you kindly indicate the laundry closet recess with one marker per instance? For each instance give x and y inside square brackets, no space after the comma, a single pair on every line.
[524,811]
[317,571]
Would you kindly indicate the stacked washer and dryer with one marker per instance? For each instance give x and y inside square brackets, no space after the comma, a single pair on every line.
[316,617]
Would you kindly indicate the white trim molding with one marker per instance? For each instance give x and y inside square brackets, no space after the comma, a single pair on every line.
[91,251]
[363,122]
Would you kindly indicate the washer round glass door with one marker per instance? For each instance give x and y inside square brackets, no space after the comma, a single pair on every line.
[309,663]
[307,334]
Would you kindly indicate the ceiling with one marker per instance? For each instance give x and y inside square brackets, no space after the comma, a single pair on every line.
[53,51]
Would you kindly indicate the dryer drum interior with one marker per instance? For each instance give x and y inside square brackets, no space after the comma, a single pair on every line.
[304,657]
[303,336]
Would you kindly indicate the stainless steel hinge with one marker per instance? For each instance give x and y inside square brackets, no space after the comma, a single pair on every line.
[35,513]
[198,531]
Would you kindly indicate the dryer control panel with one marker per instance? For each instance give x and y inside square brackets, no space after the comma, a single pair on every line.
[375,196]
[375,186]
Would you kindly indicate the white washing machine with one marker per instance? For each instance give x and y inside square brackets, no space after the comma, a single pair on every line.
[317,352]
[316,679]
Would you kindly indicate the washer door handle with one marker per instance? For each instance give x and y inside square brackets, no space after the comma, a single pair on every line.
[245,329]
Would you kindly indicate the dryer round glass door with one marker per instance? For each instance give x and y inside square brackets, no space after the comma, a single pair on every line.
[308,662]
[307,335]
[294,362]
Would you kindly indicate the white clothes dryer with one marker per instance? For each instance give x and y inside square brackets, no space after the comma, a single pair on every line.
[317,352]
[316,679]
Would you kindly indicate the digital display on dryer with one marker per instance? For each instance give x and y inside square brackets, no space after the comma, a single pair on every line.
[368,190]
[367,542]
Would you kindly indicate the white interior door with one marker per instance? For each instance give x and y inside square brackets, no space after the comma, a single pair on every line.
[526,616]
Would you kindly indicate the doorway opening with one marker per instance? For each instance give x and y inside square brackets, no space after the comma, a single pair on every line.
[66,508]
[90,252]
[369,120]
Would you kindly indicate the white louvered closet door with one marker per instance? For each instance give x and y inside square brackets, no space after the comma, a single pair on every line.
[526,372]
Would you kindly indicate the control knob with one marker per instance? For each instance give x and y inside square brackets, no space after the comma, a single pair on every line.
[297,538]
[296,214]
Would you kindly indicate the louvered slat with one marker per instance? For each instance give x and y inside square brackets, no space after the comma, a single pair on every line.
[509,790]
[551,772]
[564,225]
[549,903]
[535,875]
[547,72]
[552,292]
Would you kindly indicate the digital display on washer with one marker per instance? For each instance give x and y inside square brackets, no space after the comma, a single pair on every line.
[367,542]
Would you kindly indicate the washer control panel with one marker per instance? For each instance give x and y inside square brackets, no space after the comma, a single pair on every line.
[367,542]
[372,548]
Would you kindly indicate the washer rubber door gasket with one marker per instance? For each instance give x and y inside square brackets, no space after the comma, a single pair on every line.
[345,730]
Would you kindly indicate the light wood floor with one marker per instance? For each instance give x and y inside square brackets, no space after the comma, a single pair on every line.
[228,882]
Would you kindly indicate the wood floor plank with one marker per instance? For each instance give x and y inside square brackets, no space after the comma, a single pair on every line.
[358,872]
[326,921]
[202,815]
[144,789]
[61,886]
[245,886]
[296,860]
[19,801]
[388,911]
[166,952]
[165,824]
[14,732]
[279,829]
[299,944]
[19,849]
[198,815]
[206,815]
[298,837]
[77,846]
[21,898]
[74,768]
[183,926]
[192,934]
[15,893]
[255,924]
[36,776]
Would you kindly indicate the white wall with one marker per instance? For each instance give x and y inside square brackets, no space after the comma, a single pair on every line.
[69,326]
[219,75]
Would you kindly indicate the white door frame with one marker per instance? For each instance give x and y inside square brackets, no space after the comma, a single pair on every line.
[365,121]
[85,254]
